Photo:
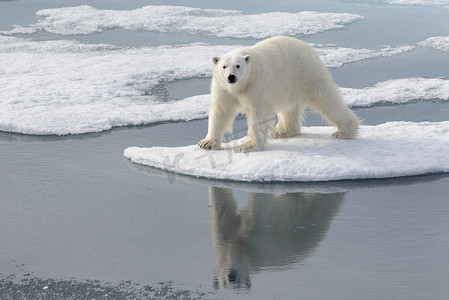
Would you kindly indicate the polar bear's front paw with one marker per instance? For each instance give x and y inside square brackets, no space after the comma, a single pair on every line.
[209,144]
[247,147]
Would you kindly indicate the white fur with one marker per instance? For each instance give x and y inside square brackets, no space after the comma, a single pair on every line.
[280,75]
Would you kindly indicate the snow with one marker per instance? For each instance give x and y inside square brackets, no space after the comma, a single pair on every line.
[334,57]
[388,150]
[222,23]
[440,43]
[398,91]
[67,87]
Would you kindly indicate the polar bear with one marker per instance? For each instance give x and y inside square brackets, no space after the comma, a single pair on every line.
[274,231]
[279,75]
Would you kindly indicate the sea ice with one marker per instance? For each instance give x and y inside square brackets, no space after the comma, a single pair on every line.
[388,150]
[222,23]
[68,87]
[397,91]
[440,43]
[334,57]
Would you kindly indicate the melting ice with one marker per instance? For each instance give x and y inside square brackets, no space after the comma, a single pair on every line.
[67,87]
[388,150]
[222,23]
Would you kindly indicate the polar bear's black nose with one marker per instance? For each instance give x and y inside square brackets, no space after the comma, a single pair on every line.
[232,78]
[233,276]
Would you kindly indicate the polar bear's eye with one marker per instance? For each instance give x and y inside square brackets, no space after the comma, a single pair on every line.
[237,66]
[224,67]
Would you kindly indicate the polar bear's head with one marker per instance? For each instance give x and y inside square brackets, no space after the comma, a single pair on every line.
[233,69]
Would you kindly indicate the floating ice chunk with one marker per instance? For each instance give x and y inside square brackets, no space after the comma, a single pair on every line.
[334,56]
[392,149]
[222,23]
[277,187]
[67,87]
[337,56]
[79,118]
[437,42]
[271,24]
[398,91]
[13,44]
[85,19]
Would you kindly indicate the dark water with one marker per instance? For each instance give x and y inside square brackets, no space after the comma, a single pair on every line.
[73,211]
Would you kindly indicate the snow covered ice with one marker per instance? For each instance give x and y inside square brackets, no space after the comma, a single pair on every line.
[388,150]
[218,22]
[437,42]
[66,87]
[63,86]
[60,87]
[397,91]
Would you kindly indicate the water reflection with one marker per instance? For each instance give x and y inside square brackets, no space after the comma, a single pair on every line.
[273,231]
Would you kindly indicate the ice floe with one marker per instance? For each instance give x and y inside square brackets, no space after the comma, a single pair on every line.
[398,91]
[92,88]
[222,23]
[333,56]
[67,87]
[392,149]
[21,45]
[440,43]
[278,187]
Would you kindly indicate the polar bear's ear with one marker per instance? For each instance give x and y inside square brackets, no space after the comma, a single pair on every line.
[215,60]
[247,58]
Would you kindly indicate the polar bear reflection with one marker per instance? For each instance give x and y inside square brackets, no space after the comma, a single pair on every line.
[274,231]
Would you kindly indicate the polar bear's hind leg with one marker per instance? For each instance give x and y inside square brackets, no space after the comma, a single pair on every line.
[328,102]
[289,123]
